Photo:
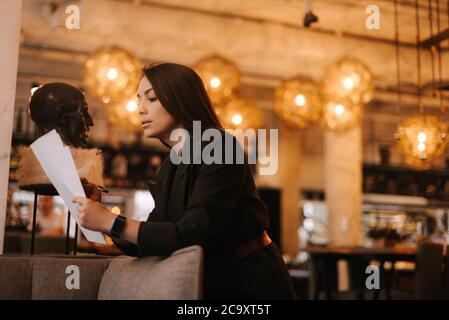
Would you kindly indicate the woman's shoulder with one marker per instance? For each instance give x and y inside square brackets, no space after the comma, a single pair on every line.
[222,148]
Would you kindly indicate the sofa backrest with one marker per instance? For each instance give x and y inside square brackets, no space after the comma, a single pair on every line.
[178,276]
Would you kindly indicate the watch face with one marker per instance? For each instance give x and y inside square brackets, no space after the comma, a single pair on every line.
[118,225]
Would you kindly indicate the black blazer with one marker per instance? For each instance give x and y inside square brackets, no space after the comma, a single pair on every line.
[216,206]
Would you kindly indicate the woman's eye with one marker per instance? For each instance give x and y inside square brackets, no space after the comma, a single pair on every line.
[152,99]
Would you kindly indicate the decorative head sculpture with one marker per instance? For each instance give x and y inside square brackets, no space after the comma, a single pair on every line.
[62,107]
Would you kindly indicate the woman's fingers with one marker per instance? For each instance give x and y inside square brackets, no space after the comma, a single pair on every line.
[91,190]
[83,207]
[79,200]
[93,215]
[88,187]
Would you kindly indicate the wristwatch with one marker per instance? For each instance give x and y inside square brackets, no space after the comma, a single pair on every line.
[117,226]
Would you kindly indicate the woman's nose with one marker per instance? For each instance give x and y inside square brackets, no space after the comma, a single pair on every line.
[140,108]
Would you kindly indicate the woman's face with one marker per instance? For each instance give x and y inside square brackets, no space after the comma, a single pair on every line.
[156,121]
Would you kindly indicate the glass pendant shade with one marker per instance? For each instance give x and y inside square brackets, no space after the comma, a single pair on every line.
[239,113]
[350,79]
[112,74]
[421,138]
[298,102]
[220,77]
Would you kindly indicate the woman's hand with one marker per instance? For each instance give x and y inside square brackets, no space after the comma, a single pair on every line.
[93,215]
[91,190]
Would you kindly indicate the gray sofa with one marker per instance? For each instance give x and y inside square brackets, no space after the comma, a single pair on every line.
[179,276]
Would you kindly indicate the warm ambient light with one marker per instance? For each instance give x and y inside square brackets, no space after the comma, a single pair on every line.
[112,74]
[215,82]
[116,210]
[342,114]
[422,139]
[350,79]
[421,147]
[131,106]
[339,109]
[237,119]
[300,100]
[239,113]
[124,115]
[348,83]
[220,77]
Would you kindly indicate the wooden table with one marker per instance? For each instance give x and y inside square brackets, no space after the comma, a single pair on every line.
[324,261]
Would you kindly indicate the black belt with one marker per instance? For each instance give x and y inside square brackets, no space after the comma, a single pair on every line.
[245,249]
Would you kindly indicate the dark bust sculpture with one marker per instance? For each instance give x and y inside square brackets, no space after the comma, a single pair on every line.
[62,107]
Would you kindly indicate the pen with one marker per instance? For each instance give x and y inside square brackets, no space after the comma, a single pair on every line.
[103,189]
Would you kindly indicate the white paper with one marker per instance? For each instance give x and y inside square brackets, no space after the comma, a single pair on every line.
[57,162]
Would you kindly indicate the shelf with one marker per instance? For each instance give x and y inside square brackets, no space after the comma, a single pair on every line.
[430,184]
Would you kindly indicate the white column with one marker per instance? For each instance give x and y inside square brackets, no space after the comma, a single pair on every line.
[287,179]
[343,186]
[9,54]
[289,173]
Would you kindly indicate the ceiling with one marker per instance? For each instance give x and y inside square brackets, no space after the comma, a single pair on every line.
[264,38]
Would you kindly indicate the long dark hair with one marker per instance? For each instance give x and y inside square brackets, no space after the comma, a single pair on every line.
[181,91]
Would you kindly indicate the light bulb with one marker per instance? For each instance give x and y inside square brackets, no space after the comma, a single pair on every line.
[422,137]
[112,74]
[421,147]
[106,99]
[348,83]
[339,109]
[300,100]
[215,82]
[237,119]
[131,106]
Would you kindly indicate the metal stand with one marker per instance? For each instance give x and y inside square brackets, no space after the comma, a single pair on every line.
[49,190]
[67,239]
[75,244]
[33,230]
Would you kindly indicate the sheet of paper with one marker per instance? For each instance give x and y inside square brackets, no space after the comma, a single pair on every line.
[57,162]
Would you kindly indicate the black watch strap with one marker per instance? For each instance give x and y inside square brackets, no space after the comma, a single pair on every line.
[117,226]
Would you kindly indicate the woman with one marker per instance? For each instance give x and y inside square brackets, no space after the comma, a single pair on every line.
[213,205]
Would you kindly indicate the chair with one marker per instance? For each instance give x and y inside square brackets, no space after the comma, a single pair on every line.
[429,271]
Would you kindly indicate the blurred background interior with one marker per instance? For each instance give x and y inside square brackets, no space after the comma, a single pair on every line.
[363,172]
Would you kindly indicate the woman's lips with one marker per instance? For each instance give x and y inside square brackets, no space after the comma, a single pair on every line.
[145,124]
